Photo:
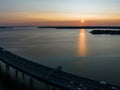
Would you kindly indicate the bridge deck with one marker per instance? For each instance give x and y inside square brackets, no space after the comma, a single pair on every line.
[58,78]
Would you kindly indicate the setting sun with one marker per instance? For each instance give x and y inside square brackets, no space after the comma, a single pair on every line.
[82,20]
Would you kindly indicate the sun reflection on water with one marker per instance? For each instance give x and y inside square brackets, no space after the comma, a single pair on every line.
[82,43]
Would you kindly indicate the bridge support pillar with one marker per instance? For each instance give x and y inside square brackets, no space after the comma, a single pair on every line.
[47,87]
[23,77]
[8,70]
[0,67]
[31,83]
[54,88]
[16,74]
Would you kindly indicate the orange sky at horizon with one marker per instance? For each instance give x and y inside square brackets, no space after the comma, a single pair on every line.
[59,12]
[61,19]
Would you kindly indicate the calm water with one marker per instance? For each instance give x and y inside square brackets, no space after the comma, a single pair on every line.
[79,52]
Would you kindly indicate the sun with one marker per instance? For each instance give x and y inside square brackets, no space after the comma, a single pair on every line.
[82,20]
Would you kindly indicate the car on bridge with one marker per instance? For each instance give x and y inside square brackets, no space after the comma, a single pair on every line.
[102,83]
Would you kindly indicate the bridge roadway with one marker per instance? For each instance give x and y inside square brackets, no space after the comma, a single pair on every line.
[52,76]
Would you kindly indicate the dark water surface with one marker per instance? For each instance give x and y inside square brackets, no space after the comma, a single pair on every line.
[79,52]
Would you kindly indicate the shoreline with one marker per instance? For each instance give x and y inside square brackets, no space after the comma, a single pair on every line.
[81,27]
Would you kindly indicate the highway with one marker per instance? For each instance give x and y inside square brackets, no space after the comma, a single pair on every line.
[55,77]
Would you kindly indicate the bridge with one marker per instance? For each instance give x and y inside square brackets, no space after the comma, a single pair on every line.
[55,77]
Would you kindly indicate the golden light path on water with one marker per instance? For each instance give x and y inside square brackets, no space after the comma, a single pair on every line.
[82,43]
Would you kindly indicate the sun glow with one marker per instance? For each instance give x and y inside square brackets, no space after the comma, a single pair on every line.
[82,20]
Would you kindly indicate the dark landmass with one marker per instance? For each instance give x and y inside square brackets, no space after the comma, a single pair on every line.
[81,27]
[6,27]
[109,32]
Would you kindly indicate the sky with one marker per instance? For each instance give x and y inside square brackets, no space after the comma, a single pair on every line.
[59,12]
